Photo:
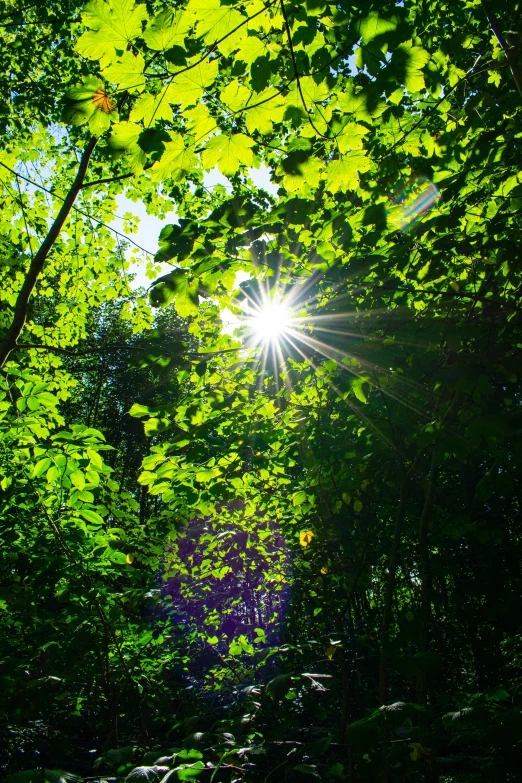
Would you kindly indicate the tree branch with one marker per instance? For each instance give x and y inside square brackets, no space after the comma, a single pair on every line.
[80,211]
[113,179]
[508,50]
[37,264]
[297,75]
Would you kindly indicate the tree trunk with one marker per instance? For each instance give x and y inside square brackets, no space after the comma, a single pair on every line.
[426,595]
[388,598]
[387,621]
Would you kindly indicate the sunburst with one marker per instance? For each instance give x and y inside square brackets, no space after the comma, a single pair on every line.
[270,322]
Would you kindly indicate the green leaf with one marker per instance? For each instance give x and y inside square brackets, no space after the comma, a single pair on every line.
[229,153]
[188,88]
[91,516]
[187,300]
[167,29]
[215,21]
[95,458]
[164,289]
[279,686]
[150,109]
[357,387]
[311,91]
[41,467]
[375,25]
[235,95]
[250,48]
[343,174]
[299,498]
[271,109]
[138,410]
[77,478]
[127,73]
[176,162]
[114,25]
[99,122]
[124,140]
[191,771]
[364,104]
[407,61]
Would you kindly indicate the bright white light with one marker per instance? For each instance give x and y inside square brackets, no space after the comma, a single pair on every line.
[270,322]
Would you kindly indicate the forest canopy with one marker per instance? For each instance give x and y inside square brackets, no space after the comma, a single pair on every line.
[260,518]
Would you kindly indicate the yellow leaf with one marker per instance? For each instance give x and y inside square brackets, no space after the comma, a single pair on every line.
[330,652]
[346,498]
[418,751]
[130,559]
[305,537]
[454,285]
[324,570]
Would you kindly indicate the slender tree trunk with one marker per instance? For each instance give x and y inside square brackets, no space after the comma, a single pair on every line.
[143,505]
[8,342]
[387,621]
[426,597]
[388,597]
[345,674]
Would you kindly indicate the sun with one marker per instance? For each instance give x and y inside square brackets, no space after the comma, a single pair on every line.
[270,322]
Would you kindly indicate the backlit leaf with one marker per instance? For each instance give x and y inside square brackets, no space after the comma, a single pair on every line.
[228,153]
[167,29]
[113,26]
[127,73]
[305,537]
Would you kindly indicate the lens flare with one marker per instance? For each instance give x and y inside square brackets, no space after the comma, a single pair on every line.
[411,201]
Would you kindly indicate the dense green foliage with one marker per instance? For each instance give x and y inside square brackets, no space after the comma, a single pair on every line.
[239,562]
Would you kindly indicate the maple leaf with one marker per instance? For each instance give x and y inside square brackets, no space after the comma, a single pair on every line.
[215,21]
[235,95]
[124,141]
[168,29]
[229,153]
[343,174]
[151,108]
[112,27]
[188,88]
[176,160]
[271,108]
[199,121]
[127,73]
[407,61]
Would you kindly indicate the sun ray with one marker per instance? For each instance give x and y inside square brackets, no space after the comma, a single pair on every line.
[274,316]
